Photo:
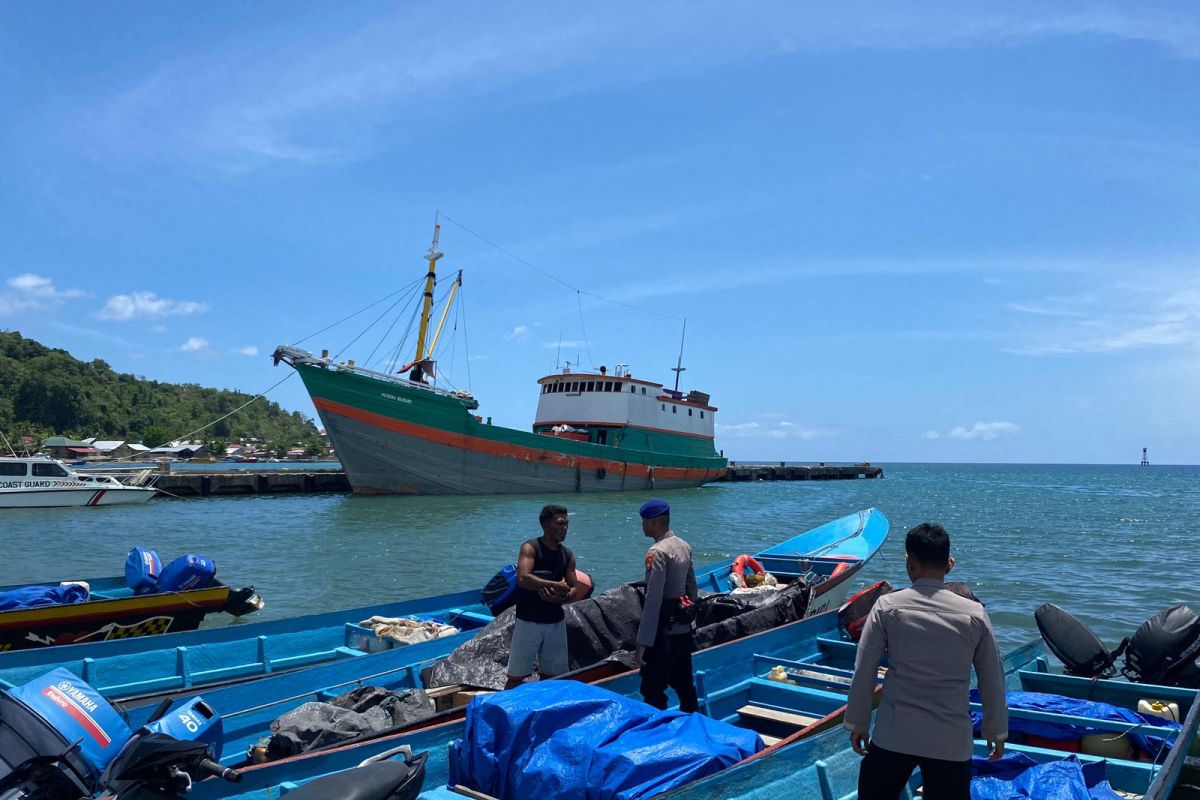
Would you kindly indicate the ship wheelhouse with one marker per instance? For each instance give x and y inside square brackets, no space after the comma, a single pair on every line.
[625,412]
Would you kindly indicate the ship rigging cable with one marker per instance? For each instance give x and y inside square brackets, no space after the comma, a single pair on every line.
[554,277]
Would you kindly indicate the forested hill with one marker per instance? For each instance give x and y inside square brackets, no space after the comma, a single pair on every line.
[44,391]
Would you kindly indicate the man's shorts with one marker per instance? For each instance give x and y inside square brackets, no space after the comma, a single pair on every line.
[537,642]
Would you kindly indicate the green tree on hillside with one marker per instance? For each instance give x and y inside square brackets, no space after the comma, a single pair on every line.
[155,436]
[45,391]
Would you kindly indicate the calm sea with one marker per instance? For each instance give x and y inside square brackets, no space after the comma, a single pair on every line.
[1111,544]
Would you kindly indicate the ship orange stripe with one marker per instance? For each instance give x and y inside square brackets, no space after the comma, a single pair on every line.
[514,451]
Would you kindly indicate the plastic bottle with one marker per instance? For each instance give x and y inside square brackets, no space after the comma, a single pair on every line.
[778,673]
[1159,708]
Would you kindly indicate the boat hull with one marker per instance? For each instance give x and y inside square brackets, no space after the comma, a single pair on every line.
[397,437]
[103,620]
[379,460]
[74,498]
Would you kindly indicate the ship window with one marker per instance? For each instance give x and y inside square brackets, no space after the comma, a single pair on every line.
[591,386]
[632,389]
[574,386]
[643,390]
[689,412]
[674,409]
[701,415]
[12,469]
[664,406]
[49,471]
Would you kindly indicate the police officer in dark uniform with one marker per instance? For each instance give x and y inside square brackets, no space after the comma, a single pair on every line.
[668,616]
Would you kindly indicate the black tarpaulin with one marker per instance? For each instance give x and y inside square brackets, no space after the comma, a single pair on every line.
[604,628]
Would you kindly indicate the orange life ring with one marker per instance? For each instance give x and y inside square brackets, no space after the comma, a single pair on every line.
[741,562]
[846,563]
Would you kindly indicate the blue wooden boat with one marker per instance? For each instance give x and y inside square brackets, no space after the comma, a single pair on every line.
[113,612]
[735,684]
[814,642]
[824,766]
[126,669]
[829,556]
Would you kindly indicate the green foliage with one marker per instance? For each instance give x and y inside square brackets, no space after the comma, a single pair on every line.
[314,447]
[154,436]
[46,392]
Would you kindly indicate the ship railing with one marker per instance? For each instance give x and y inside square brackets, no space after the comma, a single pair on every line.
[294,355]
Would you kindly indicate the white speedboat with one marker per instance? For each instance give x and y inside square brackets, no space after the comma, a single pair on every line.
[46,483]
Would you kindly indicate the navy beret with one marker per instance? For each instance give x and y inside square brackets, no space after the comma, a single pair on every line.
[654,508]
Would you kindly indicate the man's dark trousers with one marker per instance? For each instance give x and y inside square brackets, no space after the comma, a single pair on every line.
[883,773]
[669,663]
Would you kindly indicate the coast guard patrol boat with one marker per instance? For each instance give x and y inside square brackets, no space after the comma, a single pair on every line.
[47,483]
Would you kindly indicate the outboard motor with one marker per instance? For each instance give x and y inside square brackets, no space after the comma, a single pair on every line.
[61,740]
[57,736]
[1166,649]
[1080,650]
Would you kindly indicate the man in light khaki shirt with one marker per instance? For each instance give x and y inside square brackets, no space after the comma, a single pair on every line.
[931,637]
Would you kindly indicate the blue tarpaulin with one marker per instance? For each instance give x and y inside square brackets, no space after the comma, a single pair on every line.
[31,596]
[1091,709]
[1019,777]
[572,741]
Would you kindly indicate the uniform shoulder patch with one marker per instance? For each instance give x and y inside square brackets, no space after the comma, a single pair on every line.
[649,559]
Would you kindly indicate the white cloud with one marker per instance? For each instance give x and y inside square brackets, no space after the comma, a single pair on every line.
[772,429]
[1043,310]
[1159,312]
[159,328]
[980,430]
[518,334]
[30,291]
[248,350]
[194,344]
[146,305]
[569,344]
[291,94]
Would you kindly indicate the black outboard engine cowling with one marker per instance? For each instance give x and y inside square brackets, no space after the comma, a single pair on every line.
[1080,650]
[1165,649]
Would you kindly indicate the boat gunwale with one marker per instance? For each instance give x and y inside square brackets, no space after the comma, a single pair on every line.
[456,715]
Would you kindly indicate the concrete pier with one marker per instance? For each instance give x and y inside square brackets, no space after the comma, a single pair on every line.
[242,483]
[800,472]
[193,484]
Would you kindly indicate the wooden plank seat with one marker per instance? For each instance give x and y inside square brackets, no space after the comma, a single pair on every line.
[777,716]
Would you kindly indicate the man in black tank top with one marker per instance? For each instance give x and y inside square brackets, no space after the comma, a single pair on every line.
[545,579]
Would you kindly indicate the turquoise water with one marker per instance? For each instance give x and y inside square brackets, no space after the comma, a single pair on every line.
[1111,544]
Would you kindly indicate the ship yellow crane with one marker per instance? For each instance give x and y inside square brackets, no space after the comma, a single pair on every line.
[445,313]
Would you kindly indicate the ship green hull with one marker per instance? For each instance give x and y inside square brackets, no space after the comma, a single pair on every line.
[401,438]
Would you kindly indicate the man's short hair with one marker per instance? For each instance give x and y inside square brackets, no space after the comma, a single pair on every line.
[550,512]
[929,544]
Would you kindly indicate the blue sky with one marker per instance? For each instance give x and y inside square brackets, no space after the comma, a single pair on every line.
[927,232]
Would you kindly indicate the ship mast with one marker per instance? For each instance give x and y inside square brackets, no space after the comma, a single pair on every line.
[427,303]
[679,367]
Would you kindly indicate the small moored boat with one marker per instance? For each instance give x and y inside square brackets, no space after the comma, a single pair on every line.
[112,611]
[46,483]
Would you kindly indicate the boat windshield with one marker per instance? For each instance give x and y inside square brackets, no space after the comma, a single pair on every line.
[49,470]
